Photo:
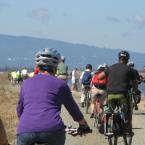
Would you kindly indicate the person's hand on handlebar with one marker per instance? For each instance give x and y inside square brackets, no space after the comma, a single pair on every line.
[83,127]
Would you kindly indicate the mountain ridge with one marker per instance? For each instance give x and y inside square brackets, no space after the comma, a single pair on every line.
[20,51]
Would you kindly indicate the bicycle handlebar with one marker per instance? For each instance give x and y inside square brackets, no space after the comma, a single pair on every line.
[72,131]
[81,130]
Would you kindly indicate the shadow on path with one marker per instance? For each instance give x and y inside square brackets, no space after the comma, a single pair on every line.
[140,113]
[137,128]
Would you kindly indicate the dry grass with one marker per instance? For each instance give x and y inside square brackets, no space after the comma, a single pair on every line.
[8,100]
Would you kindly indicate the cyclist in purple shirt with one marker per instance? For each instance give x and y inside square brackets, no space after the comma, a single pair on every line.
[40,101]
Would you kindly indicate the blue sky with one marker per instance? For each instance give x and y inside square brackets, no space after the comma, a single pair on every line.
[103,23]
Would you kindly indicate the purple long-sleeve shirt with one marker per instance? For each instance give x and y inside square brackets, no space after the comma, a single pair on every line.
[39,105]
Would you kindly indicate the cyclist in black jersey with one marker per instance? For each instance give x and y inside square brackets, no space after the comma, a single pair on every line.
[120,76]
[136,73]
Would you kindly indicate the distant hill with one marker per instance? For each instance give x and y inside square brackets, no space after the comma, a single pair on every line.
[19,51]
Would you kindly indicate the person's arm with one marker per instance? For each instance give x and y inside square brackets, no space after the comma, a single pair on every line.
[133,78]
[103,74]
[92,83]
[80,79]
[20,104]
[71,106]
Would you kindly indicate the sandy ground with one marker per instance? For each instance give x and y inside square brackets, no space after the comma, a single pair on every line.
[9,98]
[97,139]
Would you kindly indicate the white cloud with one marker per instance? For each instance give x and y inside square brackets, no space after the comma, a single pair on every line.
[138,20]
[41,14]
[11,59]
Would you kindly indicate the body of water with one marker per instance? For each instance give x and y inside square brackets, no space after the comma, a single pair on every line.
[142,88]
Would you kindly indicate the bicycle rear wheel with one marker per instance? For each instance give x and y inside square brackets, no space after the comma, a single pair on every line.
[129,141]
[125,140]
[99,124]
[112,140]
[87,102]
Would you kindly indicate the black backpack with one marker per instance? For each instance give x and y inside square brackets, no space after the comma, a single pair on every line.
[86,79]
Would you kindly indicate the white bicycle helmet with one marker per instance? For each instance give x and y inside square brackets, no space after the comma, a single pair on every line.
[47,57]
[62,58]
[105,65]
[100,67]
[131,64]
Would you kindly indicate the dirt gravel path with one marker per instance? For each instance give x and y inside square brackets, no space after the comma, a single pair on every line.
[96,138]
[90,139]
[139,127]
[9,98]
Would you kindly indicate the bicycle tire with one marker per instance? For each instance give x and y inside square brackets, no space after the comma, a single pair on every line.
[130,141]
[87,102]
[115,140]
[99,125]
[110,140]
[125,140]
[110,124]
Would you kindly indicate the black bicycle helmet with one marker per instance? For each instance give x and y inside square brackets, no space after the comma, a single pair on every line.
[124,54]
[89,66]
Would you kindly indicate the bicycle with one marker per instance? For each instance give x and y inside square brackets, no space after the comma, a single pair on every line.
[115,127]
[87,98]
[99,114]
[135,97]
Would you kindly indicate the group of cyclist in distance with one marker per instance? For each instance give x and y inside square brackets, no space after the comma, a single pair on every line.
[42,96]
[111,85]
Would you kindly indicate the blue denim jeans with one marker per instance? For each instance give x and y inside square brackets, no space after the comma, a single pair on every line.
[41,138]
